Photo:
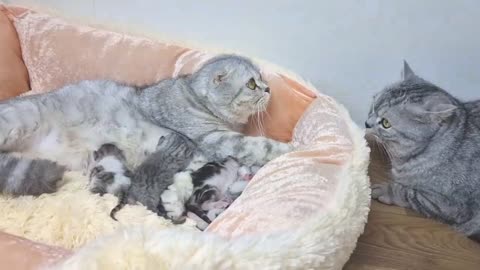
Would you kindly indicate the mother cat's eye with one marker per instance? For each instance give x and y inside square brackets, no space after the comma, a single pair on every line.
[385,123]
[252,84]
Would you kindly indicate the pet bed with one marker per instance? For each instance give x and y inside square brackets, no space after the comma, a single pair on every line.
[303,210]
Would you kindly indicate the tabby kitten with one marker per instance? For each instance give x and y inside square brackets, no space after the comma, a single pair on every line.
[210,106]
[433,142]
[156,174]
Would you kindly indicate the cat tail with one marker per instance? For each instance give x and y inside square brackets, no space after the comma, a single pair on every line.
[198,212]
[122,201]
[25,176]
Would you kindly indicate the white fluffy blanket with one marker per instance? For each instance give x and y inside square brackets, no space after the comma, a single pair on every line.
[72,216]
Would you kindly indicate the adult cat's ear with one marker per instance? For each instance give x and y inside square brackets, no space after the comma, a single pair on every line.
[437,108]
[220,77]
[407,72]
[442,111]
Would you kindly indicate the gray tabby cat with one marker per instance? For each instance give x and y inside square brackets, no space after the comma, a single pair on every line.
[433,140]
[210,106]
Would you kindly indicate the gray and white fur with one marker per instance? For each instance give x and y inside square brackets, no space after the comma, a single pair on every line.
[433,141]
[211,106]
[151,178]
[109,173]
[216,186]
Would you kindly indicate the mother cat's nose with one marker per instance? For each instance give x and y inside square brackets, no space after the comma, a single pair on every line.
[367,125]
[267,89]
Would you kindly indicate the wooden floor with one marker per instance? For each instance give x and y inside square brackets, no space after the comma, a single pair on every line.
[396,238]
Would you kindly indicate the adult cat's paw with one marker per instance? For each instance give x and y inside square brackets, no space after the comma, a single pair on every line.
[380,192]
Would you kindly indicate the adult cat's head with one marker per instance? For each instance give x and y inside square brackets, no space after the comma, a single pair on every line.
[407,116]
[231,87]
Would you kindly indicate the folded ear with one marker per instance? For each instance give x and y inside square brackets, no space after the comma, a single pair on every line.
[220,76]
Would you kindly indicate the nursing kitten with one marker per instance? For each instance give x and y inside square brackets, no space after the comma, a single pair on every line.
[210,106]
[156,174]
[109,173]
[433,140]
[213,183]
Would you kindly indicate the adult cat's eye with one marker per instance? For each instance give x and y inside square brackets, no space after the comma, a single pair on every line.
[252,84]
[385,123]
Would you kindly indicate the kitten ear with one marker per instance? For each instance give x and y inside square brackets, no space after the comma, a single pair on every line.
[95,155]
[407,72]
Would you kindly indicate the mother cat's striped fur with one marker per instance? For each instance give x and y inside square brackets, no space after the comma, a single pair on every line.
[210,106]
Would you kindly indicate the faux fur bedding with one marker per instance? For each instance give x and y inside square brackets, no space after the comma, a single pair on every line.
[304,210]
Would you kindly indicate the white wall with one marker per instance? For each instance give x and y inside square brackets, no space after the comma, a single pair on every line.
[350,49]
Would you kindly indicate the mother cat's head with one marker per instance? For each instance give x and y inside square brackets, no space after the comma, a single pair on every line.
[409,115]
[231,87]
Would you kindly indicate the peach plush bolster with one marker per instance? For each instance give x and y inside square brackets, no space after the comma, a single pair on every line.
[13,73]
[22,254]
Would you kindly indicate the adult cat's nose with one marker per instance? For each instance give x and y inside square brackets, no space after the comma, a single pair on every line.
[367,125]
[267,89]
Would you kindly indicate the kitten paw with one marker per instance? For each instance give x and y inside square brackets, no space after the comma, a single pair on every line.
[173,205]
[381,194]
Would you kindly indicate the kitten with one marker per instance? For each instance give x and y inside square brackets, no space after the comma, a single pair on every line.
[433,141]
[156,174]
[216,186]
[109,173]
[65,126]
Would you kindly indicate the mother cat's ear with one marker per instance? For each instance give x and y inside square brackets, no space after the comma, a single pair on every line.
[407,72]
[220,76]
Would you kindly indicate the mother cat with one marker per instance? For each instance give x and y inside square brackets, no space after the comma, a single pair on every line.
[42,136]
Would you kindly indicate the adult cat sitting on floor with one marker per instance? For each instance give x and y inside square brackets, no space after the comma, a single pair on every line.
[433,141]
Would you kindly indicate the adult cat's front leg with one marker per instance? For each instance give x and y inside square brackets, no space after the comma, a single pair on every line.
[449,209]
[247,150]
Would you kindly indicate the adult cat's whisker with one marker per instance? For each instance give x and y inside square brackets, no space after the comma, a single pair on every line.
[375,141]
[259,122]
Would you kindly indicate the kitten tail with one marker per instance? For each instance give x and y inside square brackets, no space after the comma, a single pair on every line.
[122,201]
[24,176]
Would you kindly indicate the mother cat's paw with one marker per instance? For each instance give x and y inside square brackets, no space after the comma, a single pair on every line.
[381,193]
